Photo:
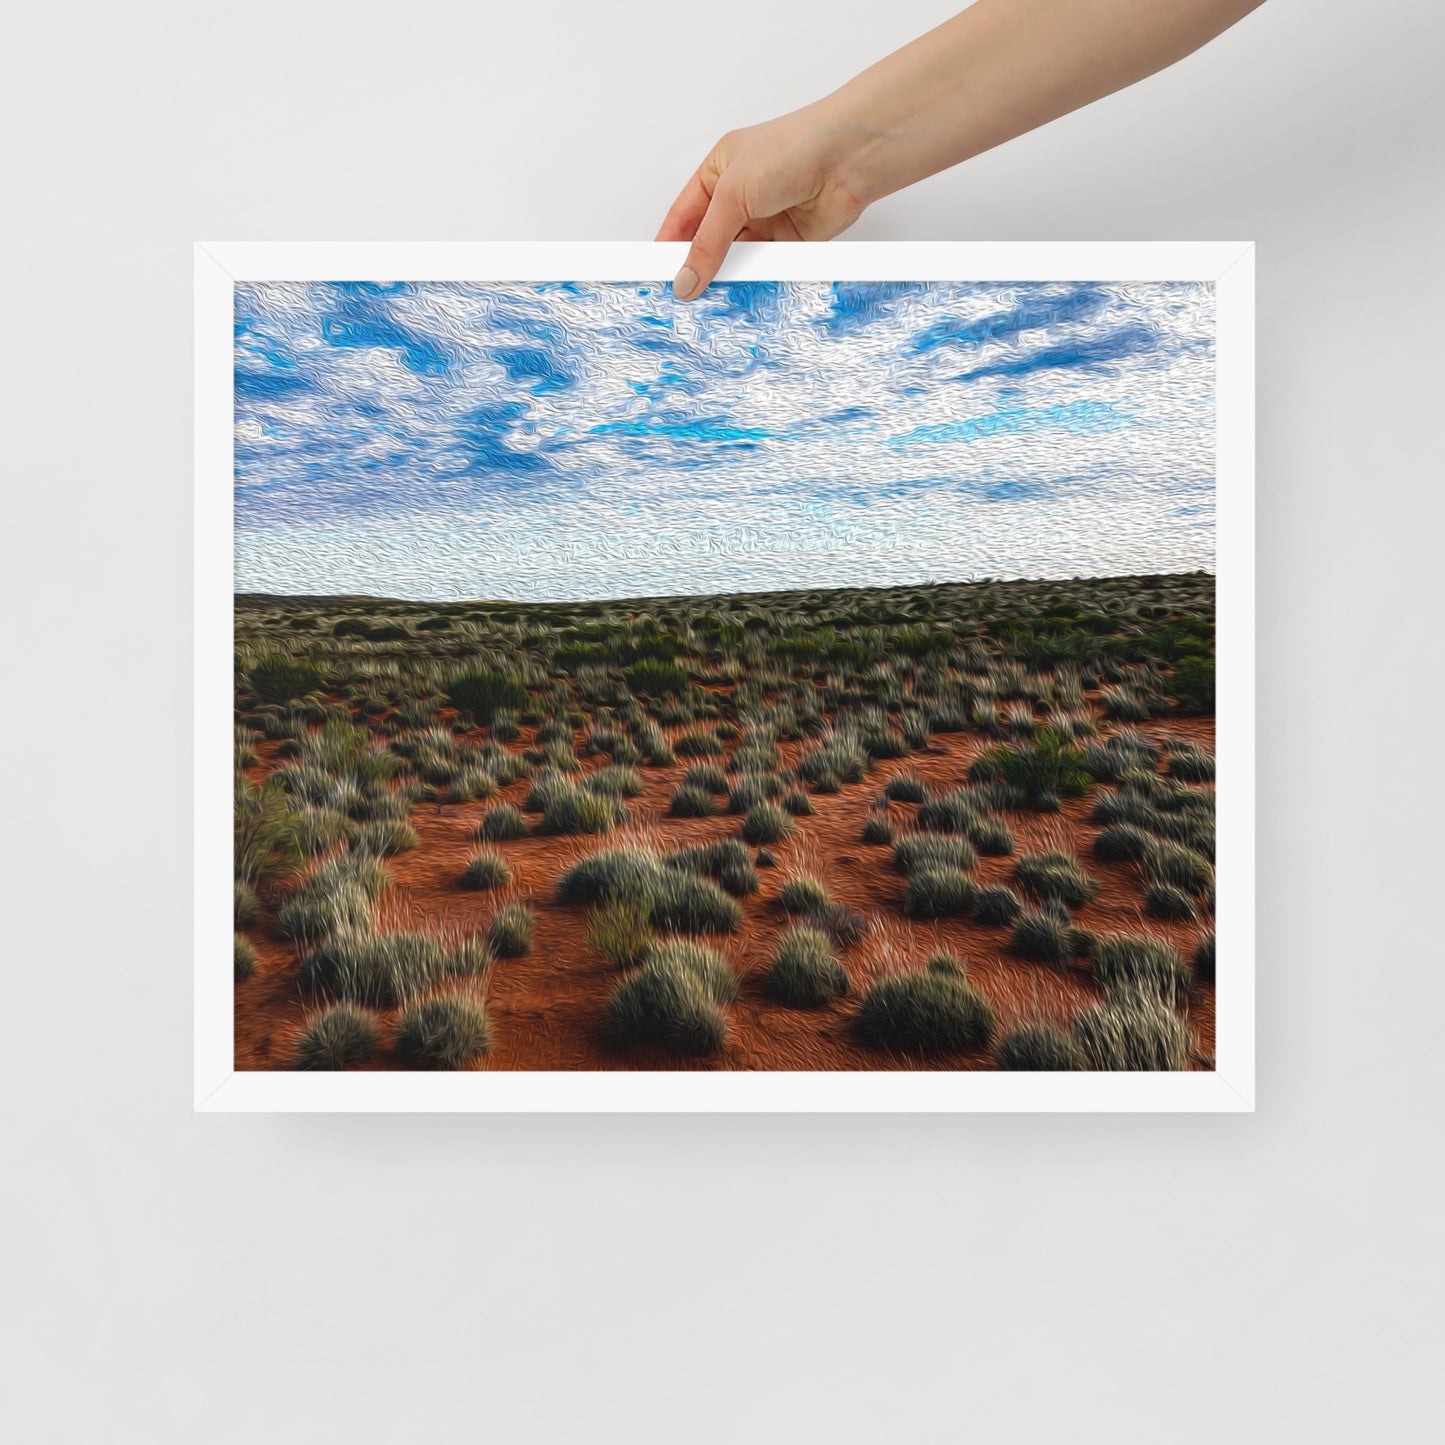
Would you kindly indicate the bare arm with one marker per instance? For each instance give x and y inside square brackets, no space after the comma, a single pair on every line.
[998,69]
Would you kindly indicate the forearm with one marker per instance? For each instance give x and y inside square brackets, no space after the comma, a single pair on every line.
[998,69]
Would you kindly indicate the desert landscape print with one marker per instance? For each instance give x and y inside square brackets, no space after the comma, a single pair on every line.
[813,676]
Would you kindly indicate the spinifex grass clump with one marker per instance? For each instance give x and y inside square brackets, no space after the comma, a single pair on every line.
[996,905]
[1163,900]
[338,1037]
[616,781]
[381,969]
[1048,937]
[580,810]
[336,899]
[805,971]
[1182,867]
[692,802]
[803,894]
[245,957]
[621,931]
[447,1031]
[709,777]
[502,823]
[879,829]
[906,788]
[934,892]
[1144,964]
[247,907]
[927,1011]
[1037,1048]
[1190,764]
[675,897]
[1132,1032]
[1204,959]
[933,850]
[487,869]
[725,860]
[675,999]
[766,823]
[510,934]
[1057,877]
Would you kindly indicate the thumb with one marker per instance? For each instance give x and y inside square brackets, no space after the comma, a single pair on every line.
[725,218]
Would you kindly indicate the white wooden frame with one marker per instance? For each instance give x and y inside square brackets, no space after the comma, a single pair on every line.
[219,1087]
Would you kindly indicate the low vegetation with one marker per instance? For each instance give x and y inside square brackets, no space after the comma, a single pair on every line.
[422,790]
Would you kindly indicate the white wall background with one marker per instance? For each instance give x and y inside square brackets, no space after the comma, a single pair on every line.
[1051,1280]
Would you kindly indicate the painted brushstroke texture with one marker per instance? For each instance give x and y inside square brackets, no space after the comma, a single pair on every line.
[583,440]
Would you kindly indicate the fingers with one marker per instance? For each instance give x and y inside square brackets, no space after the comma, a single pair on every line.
[681,222]
[726,216]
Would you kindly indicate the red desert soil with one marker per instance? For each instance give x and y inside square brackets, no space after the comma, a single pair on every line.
[549,1008]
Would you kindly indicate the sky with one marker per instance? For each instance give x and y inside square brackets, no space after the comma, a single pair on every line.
[563,441]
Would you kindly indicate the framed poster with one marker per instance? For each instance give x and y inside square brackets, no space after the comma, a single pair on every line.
[805,697]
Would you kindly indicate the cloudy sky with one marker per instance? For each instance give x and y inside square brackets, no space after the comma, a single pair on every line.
[543,441]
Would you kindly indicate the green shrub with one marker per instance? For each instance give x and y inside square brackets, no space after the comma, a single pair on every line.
[803,894]
[938,893]
[675,999]
[245,958]
[1055,876]
[337,1038]
[1192,684]
[510,935]
[448,1031]
[1038,1049]
[382,969]
[486,870]
[656,679]
[879,829]
[766,823]
[925,1012]
[1131,1033]
[995,906]
[502,823]
[1144,964]
[280,679]
[484,694]
[1044,769]
[805,971]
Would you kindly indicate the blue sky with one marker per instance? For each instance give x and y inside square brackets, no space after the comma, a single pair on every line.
[561,440]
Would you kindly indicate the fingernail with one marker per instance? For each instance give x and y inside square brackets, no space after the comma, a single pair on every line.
[684,283]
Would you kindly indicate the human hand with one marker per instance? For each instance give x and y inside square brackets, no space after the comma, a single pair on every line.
[785,180]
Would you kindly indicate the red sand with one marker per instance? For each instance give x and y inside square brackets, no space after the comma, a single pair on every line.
[548,1009]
